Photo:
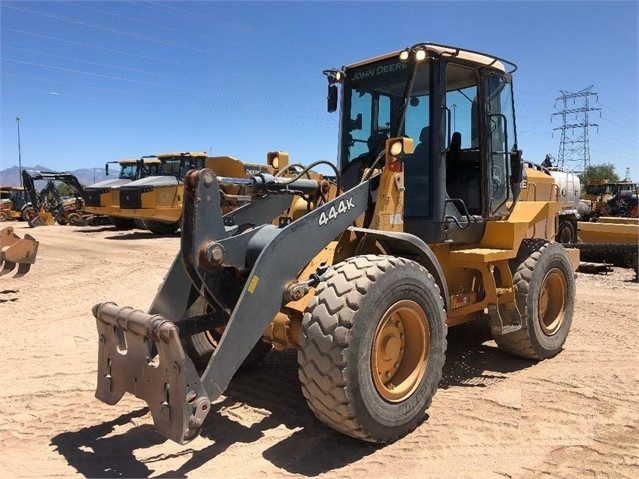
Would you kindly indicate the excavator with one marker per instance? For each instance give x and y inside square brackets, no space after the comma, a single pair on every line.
[403,242]
[47,205]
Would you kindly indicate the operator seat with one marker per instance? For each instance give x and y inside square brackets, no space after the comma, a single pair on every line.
[420,154]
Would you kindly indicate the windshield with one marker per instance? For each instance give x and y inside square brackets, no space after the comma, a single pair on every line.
[373,101]
[178,166]
[128,171]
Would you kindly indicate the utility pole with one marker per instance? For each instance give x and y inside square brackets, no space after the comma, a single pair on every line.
[19,152]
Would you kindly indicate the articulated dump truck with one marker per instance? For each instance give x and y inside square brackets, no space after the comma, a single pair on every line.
[103,198]
[16,251]
[364,272]
[156,199]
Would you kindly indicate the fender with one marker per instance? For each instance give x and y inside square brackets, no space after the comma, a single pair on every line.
[408,246]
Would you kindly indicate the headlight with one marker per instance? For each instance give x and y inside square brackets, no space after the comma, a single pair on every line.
[396,148]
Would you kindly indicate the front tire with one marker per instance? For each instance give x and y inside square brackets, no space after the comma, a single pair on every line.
[160,228]
[545,290]
[372,347]
[122,223]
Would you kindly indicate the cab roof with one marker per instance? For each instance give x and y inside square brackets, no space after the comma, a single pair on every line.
[478,58]
[196,154]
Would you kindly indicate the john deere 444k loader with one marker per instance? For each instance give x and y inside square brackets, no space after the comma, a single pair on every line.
[366,282]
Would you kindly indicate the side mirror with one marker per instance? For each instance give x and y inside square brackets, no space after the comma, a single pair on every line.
[517,169]
[331,99]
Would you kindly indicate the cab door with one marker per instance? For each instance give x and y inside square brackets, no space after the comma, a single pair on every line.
[502,142]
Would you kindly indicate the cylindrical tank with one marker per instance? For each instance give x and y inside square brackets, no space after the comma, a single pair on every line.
[569,188]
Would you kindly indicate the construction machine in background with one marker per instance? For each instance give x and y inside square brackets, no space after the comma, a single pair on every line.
[611,241]
[608,233]
[14,203]
[103,198]
[610,198]
[16,251]
[411,240]
[157,199]
[49,206]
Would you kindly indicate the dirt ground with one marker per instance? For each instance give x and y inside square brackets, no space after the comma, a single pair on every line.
[494,416]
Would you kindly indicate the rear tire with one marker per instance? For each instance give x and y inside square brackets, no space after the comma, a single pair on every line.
[372,347]
[567,232]
[545,290]
[29,213]
[3,216]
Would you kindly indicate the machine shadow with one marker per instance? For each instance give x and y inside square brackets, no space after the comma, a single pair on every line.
[474,360]
[273,390]
[125,234]
[262,400]
[141,234]
[95,451]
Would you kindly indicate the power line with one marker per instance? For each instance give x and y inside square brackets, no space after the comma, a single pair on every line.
[78,60]
[147,38]
[186,66]
[155,84]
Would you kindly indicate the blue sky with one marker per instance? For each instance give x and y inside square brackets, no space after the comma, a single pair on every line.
[100,81]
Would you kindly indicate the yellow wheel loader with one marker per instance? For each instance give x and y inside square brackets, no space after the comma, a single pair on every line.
[14,203]
[365,283]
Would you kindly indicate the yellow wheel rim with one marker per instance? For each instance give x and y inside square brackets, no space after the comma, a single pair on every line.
[400,351]
[552,302]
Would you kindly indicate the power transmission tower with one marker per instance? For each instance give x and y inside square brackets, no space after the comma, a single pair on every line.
[575,146]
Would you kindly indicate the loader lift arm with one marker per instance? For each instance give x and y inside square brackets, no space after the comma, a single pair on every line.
[163,375]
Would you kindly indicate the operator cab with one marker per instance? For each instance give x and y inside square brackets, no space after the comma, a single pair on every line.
[179,164]
[458,107]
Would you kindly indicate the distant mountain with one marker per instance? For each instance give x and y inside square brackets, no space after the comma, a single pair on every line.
[86,176]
